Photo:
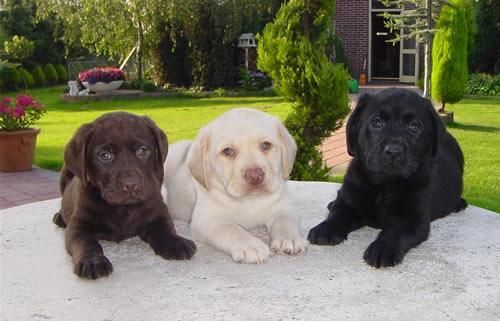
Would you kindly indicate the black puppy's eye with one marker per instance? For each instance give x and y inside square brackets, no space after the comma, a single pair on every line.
[228,151]
[377,122]
[266,145]
[106,156]
[414,126]
[142,151]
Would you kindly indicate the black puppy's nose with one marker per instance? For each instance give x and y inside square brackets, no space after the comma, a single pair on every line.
[393,151]
[254,176]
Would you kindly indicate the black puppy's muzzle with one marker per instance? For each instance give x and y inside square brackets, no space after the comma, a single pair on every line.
[393,152]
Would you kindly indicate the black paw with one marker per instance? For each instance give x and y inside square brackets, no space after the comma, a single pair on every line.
[93,267]
[325,234]
[382,254]
[58,220]
[176,248]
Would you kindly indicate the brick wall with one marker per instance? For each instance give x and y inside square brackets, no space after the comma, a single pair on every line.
[351,25]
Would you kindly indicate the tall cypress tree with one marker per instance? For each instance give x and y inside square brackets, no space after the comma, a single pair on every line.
[293,51]
[450,52]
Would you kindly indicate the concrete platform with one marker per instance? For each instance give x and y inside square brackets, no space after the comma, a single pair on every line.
[455,275]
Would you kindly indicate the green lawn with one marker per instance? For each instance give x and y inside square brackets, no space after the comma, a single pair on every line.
[476,127]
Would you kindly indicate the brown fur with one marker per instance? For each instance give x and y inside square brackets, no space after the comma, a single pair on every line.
[118,198]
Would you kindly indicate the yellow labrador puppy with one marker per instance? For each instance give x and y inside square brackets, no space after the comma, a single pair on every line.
[231,178]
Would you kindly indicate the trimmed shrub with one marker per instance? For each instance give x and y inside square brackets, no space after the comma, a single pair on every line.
[11,79]
[27,78]
[39,76]
[50,74]
[62,73]
[148,87]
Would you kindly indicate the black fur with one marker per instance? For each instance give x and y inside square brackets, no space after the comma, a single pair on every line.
[406,171]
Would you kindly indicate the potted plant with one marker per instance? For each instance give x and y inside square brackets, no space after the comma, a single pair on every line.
[102,79]
[17,136]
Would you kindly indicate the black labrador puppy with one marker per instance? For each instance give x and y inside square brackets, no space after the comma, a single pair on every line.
[111,187]
[406,171]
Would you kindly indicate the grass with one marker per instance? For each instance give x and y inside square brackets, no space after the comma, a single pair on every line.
[476,127]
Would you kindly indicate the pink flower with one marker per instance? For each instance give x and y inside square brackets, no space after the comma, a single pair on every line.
[18,112]
[24,100]
[6,100]
[4,108]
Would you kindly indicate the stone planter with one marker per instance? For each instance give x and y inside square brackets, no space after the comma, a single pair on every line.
[17,149]
[103,86]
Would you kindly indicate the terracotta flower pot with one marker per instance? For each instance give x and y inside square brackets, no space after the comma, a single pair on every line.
[17,149]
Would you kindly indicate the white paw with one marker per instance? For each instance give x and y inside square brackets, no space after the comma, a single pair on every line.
[250,251]
[289,246]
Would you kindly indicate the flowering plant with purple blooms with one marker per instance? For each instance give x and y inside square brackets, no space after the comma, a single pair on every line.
[101,74]
[252,81]
[19,113]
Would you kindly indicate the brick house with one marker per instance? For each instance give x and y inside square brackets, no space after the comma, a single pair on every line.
[359,24]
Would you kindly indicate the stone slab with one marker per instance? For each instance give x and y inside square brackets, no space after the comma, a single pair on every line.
[455,275]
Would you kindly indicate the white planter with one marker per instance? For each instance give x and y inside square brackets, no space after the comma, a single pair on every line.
[103,86]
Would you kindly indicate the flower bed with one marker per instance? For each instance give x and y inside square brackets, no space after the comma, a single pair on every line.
[101,74]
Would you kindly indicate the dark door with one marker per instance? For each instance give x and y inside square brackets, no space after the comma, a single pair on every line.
[384,55]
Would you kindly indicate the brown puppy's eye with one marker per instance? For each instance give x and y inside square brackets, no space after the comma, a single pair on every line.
[377,122]
[142,152]
[228,151]
[266,145]
[414,126]
[106,156]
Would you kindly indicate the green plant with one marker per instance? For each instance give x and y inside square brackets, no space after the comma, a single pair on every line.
[148,86]
[293,51]
[50,74]
[220,92]
[483,84]
[450,52]
[11,78]
[20,113]
[19,48]
[253,81]
[486,52]
[39,76]
[27,78]
[62,73]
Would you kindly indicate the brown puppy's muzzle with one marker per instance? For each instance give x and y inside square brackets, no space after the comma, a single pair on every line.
[126,187]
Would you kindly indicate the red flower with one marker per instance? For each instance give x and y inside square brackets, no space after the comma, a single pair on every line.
[24,100]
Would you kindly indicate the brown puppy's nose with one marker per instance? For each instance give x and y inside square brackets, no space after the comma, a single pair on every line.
[254,176]
[130,186]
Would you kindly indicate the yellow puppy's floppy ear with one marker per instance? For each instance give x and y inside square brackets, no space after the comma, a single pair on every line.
[288,149]
[198,158]
[75,152]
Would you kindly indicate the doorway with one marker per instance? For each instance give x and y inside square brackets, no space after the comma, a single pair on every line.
[385,56]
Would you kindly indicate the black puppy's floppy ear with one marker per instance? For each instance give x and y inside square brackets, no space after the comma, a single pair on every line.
[352,129]
[161,143]
[75,152]
[438,129]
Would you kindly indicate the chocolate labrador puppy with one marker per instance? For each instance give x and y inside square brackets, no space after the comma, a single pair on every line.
[111,187]
[406,171]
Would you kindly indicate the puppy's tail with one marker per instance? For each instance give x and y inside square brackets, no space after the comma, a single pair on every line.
[461,205]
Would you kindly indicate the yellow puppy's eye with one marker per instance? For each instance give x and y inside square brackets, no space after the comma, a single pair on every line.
[228,151]
[266,145]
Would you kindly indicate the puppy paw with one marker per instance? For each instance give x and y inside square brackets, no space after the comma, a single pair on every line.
[382,254]
[93,267]
[325,234]
[176,248]
[250,251]
[289,246]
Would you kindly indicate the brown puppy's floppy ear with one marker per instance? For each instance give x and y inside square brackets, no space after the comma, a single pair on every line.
[352,128]
[438,129]
[288,149]
[75,152]
[161,144]
[198,159]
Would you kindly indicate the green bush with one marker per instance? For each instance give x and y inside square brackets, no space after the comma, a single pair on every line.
[50,74]
[148,87]
[39,76]
[294,53]
[253,81]
[19,48]
[27,78]
[450,52]
[483,84]
[11,79]
[62,73]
